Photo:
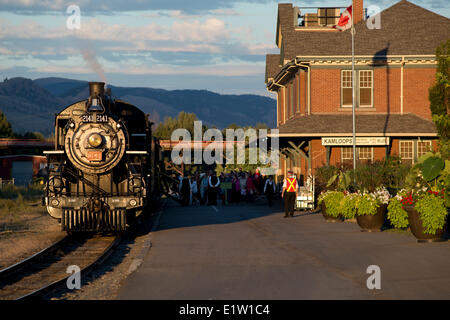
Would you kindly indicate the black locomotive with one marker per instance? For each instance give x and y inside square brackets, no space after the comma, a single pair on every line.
[103,171]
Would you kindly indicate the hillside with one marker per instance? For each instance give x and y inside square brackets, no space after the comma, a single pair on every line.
[30,105]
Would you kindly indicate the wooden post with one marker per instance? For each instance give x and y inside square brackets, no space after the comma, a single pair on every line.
[415,146]
[309,156]
[328,155]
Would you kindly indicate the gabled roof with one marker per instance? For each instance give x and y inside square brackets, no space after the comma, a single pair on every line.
[406,29]
[272,65]
[376,124]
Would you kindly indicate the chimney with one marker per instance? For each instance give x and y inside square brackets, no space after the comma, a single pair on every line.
[358,10]
[96,89]
[96,95]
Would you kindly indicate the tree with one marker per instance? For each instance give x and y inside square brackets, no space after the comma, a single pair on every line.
[183,121]
[5,127]
[261,125]
[439,96]
[30,135]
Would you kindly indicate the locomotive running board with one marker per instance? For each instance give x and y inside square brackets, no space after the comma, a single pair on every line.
[85,220]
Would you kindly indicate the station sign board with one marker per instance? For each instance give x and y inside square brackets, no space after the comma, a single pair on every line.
[360,141]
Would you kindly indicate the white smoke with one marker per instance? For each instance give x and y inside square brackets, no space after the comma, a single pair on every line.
[90,58]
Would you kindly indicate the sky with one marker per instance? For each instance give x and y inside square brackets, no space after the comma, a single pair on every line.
[217,45]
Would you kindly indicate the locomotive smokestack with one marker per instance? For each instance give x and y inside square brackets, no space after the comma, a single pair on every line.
[96,89]
[96,96]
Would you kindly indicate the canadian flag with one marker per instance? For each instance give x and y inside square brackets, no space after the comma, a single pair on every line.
[345,22]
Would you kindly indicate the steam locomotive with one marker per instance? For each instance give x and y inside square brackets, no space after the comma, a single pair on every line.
[103,171]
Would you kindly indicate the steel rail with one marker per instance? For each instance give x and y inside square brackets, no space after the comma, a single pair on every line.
[40,257]
[14,268]
[83,272]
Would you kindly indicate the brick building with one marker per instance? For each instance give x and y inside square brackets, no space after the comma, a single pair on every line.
[21,159]
[395,66]
[21,168]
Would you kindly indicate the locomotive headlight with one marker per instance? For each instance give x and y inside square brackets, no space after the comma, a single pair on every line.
[95,140]
[133,202]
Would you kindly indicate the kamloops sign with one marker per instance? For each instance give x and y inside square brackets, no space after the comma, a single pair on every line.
[360,141]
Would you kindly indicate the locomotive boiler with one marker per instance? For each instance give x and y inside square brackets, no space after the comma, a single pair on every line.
[103,171]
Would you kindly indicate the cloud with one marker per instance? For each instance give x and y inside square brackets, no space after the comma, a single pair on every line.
[193,46]
[226,70]
[207,30]
[178,44]
[39,6]
[210,35]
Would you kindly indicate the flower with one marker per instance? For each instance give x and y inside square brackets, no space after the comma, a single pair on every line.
[381,194]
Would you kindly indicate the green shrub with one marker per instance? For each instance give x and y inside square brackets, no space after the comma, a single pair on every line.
[332,200]
[322,176]
[431,172]
[10,191]
[367,205]
[370,176]
[342,178]
[397,215]
[432,212]
[349,205]
[394,174]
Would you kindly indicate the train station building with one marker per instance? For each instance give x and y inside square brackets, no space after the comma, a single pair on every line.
[312,80]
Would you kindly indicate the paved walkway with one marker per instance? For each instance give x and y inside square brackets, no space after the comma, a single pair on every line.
[252,252]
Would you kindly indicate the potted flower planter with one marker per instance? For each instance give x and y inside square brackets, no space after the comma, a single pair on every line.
[329,218]
[417,227]
[372,223]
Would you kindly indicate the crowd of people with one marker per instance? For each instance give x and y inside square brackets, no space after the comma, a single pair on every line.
[233,187]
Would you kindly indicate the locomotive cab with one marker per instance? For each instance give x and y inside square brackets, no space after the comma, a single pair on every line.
[100,168]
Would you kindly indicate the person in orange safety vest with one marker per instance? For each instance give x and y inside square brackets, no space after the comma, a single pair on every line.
[289,193]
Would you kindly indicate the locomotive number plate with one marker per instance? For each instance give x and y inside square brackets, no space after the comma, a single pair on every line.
[96,117]
[94,155]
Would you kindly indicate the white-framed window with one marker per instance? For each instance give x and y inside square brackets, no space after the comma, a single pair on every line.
[346,88]
[364,153]
[365,88]
[423,147]
[406,151]
[346,153]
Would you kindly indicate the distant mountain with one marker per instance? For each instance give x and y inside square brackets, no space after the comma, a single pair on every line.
[30,105]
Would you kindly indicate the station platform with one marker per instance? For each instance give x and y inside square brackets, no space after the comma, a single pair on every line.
[249,251]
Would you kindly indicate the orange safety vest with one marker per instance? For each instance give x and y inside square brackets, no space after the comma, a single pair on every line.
[291,185]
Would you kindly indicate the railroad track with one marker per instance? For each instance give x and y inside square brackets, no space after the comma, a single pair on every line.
[46,270]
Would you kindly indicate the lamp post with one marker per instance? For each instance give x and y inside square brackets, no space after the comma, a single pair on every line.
[353,89]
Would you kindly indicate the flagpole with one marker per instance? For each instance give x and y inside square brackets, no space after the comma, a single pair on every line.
[353,88]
